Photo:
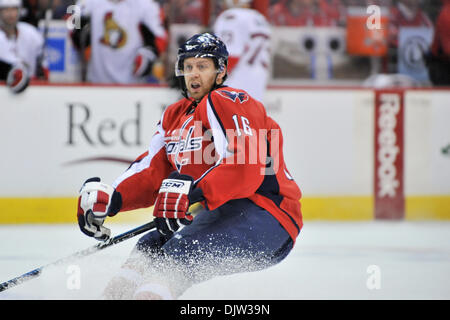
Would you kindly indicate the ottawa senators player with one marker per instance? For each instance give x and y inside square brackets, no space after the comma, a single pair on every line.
[21,49]
[119,39]
[247,34]
[218,147]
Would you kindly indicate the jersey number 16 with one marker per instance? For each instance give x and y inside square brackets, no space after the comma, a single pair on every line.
[245,125]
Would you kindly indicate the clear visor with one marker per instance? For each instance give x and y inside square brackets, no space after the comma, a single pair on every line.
[195,66]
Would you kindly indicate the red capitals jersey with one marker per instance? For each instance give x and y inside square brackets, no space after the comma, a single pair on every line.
[231,148]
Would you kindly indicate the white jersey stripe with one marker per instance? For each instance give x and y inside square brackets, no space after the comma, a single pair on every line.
[165,207]
[176,205]
[220,139]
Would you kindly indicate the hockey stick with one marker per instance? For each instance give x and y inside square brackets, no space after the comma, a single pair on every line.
[48,14]
[80,254]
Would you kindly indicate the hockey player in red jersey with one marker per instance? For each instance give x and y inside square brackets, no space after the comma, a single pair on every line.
[218,147]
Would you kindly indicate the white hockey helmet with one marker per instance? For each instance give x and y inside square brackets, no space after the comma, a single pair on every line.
[10,3]
[237,3]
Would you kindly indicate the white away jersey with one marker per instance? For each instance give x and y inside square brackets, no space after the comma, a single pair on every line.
[115,36]
[24,49]
[246,34]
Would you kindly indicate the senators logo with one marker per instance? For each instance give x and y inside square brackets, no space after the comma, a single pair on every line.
[114,36]
[234,96]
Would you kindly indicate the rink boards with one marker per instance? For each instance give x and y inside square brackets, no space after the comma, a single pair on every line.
[357,154]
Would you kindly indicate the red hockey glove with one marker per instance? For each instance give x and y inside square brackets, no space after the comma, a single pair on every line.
[143,62]
[17,79]
[97,201]
[171,206]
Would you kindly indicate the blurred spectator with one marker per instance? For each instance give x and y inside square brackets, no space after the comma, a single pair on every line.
[30,12]
[58,7]
[319,13]
[406,13]
[365,3]
[335,11]
[185,11]
[21,48]
[438,60]
[120,40]
[34,10]
[247,36]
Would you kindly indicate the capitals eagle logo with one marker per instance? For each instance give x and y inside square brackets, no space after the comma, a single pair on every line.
[233,95]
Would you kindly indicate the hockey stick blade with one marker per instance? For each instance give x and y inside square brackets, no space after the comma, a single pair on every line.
[77,255]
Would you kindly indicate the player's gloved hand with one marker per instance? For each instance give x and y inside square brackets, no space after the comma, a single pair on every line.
[177,192]
[17,79]
[97,201]
[42,73]
[143,62]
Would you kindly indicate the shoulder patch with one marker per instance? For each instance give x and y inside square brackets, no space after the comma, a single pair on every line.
[234,95]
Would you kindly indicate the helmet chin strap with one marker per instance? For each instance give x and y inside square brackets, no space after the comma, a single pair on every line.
[215,85]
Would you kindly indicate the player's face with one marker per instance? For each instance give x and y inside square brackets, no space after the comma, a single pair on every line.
[200,74]
[9,16]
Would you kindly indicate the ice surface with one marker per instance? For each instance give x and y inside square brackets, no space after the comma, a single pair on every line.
[330,261]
